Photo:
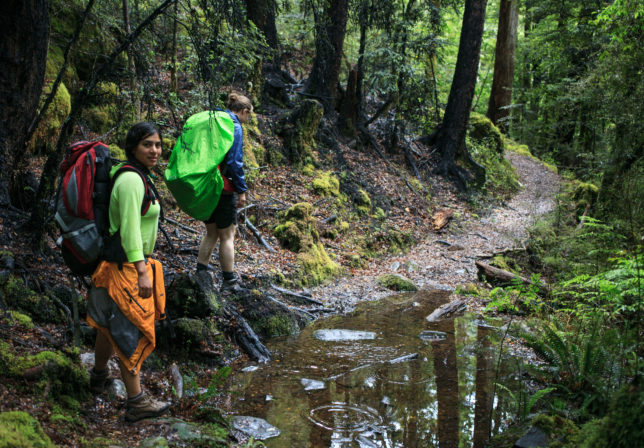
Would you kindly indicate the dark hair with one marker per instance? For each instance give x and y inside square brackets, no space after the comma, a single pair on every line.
[137,133]
[238,102]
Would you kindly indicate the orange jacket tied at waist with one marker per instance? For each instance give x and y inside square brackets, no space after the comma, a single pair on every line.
[125,318]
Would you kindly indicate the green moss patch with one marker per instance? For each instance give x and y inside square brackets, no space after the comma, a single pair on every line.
[481,129]
[20,430]
[39,307]
[50,371]
[396,282]
[326,184]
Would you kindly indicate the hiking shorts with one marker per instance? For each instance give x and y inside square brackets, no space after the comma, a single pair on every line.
[225,213]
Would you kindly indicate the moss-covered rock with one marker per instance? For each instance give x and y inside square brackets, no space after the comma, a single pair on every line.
[101,117]
[186,297]
[20,430]
[396,282]
[326,184]
[60,374]
[17,318]
[481,129]
[315,266]
[298,230]
[362,201]
[299,233]
[298,131]
[39,307]
[267,317]
[117,152]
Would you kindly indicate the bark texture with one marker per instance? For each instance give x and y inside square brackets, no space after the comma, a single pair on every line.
[450,137]
[506,44]
[23,58]
[330,28]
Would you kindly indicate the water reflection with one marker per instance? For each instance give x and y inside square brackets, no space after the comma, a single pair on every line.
[394,390]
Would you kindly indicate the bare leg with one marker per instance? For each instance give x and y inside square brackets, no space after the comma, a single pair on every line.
[103,351]
[132,381]
[208,244]
[227,248]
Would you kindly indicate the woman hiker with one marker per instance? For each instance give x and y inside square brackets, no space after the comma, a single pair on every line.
[127,293]
[221,224]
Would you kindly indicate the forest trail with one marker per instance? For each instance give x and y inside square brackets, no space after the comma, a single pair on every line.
[446,259]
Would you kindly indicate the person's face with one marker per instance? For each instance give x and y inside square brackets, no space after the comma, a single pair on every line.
[244,115]
[148,150]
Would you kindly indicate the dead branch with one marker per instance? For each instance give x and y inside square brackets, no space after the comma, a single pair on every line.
[448,308]
[178,224]
[259,236]
[300,297]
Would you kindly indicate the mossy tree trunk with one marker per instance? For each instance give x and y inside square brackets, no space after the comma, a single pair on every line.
[503,79]
[450,137]
[330,28]
[23,58]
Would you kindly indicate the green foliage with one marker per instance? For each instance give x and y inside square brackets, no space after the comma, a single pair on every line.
[583,364]
[326,184]
[517,297]
[523,401]
[216,381]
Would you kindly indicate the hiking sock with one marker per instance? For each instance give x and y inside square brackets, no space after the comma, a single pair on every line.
[201,267]
[136,397]
[228,275]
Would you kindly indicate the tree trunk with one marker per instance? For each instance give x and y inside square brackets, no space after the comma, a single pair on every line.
[506,44]
[262,14]
[23,58]
[450,138]
[330,27]
[173,65]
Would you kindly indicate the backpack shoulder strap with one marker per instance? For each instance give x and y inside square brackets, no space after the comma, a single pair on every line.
[150,196]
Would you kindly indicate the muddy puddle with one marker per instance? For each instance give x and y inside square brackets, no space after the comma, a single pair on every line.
[379,377]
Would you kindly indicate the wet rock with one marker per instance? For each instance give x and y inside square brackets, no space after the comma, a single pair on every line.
[535,437]
[117,390]
[7,261]
[339,335]
[250,368]
[394,266]
[312,384]
[254,427]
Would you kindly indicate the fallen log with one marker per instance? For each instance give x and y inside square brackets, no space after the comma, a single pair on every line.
[503,277]
[245,336]
[447,308]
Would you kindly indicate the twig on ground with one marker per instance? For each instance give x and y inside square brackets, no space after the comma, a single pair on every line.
[296,295]
[258,235]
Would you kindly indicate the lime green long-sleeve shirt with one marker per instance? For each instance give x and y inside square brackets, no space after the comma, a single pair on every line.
[138,233]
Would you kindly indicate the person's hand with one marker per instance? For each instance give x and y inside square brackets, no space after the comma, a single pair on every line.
[145,284]
[241,200]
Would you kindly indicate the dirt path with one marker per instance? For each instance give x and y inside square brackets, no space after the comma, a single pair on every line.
[446,260]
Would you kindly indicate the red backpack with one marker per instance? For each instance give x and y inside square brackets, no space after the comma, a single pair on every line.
[82,211]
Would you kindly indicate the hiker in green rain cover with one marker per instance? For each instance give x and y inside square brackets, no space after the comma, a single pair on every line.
[220,226]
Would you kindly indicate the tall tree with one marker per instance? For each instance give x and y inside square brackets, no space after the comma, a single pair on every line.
[262,14]
[506,45]
[23,58]
[450,136]
[330,28]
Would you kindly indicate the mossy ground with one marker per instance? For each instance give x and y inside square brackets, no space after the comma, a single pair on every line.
[19,430]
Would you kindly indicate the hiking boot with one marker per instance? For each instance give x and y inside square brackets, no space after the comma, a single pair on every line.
[99,381]
[144,406]
[232,285]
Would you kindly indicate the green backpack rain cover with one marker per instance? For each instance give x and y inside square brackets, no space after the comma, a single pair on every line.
[192,175]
